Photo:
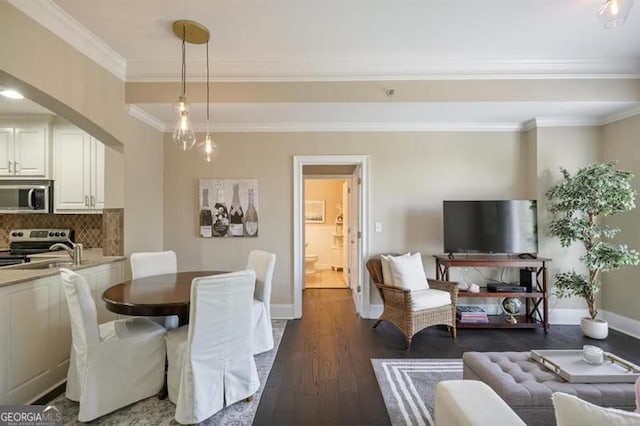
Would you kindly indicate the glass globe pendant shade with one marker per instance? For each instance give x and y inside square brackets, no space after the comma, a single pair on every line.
[209,148]
[183,135]
[613,13]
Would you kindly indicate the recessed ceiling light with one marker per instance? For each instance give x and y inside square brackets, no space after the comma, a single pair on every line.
[11,94]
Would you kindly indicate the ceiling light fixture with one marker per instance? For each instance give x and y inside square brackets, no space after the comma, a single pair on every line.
[11,94]
[208,146]
[613,13]
[195,33]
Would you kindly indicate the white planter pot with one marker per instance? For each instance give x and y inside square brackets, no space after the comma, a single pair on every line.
[596,329]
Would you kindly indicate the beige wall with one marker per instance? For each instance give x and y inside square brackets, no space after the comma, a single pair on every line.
[571,148]
[621,292]
[411,173]
[57,76]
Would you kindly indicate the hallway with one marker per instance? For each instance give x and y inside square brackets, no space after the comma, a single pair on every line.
[325,278]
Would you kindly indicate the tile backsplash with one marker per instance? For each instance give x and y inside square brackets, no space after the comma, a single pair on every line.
[88,227]
[113,232]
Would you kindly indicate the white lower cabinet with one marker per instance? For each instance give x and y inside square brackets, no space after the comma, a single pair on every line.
[35,332]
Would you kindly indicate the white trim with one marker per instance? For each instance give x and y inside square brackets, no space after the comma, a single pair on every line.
[374,311]
[533,123]
[51,16]
[540,122]
[282,311]
[565,316]
[361,127]
[298,226]
[49,389]
[556,316]
[145,117]
[622,324]
[621,115]
[567,121]
[396,70]
[562,317]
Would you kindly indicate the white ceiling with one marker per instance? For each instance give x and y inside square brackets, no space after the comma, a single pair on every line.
[293,40]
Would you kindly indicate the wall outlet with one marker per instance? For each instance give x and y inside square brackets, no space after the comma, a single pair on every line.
[378,226]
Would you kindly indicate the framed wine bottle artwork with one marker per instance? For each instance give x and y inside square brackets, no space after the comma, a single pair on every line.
[228,208]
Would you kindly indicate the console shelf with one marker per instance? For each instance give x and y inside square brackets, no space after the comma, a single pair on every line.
[536,302]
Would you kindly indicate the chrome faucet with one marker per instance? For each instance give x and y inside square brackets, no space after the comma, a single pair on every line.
[75,251]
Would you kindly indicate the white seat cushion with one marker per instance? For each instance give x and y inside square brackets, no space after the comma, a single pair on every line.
[408,272]
[430,298]
[571,410]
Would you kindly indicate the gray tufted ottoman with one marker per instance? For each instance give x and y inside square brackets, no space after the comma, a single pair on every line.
[527,386]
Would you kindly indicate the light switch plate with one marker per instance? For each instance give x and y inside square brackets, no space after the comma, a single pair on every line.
[378,226]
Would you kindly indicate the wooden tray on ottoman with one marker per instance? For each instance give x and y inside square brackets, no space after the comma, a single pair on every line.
[569,365]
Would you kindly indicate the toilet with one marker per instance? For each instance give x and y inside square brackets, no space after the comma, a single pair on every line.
[310,263]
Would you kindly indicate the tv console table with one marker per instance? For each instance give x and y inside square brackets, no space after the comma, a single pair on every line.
[536,314]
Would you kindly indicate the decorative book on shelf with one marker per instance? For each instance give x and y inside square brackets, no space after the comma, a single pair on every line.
[471,314]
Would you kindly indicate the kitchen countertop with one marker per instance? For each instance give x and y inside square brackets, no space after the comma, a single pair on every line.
[10,275]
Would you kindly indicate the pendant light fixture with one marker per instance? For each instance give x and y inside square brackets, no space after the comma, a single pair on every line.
[613,13]
[192,32]
[208,147]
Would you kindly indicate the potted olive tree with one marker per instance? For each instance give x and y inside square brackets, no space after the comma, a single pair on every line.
[579,203]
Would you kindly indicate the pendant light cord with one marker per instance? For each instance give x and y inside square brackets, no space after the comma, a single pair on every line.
[184,61]
[207,85]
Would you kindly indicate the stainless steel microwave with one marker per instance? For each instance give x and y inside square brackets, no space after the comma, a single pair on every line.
[26,196]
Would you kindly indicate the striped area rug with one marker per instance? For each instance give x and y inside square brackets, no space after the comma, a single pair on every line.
[408,386]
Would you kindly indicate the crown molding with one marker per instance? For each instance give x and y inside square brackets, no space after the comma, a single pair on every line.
[528,125]
[145,117]
[540,122]
[407,69]
[357,127]
[621,115]
[48,14]
[55,19]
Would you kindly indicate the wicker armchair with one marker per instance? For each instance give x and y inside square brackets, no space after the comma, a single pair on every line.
[398,305]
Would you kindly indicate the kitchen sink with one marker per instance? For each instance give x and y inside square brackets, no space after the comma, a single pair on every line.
[44,265]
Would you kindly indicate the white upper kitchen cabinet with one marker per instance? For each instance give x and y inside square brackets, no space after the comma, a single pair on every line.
[24,151]
[78,171]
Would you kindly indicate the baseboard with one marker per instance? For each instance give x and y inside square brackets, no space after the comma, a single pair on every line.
[373,312]
[622,324]
[557,316]
[565,316]
[49,394]
[282,311]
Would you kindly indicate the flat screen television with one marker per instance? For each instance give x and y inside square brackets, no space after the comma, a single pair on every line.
[504,226]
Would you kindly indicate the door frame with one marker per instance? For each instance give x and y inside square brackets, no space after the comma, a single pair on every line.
[299,161]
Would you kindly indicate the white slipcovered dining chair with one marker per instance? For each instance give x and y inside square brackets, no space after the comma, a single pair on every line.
[146,264]
[262,263]
[210,360]
[112,364]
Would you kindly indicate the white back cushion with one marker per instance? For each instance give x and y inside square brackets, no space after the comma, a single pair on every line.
[263,264]
[408,272]
[572,411]
[82,311]
[153,263]
[387,276]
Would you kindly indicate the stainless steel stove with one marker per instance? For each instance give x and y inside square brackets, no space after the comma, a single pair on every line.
[23,242]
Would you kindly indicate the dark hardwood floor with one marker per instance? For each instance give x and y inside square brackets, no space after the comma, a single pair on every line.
[322,374]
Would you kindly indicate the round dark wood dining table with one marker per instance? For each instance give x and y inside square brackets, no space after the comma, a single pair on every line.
[156,295]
